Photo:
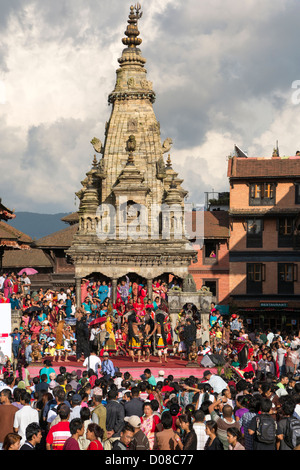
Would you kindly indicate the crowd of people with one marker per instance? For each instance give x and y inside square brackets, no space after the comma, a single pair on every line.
[51,325]
[247,397]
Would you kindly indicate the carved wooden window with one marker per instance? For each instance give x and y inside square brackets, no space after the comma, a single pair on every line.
[255,277]
[287,276]
[285,232]
[254,233]
[262,194]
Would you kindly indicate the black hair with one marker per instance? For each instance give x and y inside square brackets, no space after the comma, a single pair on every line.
[32,430]
[235,432]
[127,427]
[75,425]
[155,405]
[212,426]
[199,416]
[26,397]
[288,406]
[265,405]
[135,391]
[186,419]
[63,411]
[97,430]
[166,420]
[85,413]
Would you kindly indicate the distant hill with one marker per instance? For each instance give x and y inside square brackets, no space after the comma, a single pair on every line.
[38,225]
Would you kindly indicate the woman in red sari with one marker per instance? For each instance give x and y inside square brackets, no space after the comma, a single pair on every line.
[139,308]
[143,292]
[119,305]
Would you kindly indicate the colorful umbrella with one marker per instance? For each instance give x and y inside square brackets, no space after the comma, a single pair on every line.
[98,320]
[28,271]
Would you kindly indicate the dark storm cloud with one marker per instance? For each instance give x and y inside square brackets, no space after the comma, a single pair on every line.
[218,68]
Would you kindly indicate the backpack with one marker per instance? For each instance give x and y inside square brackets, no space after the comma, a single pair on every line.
[292,436]
[266,429]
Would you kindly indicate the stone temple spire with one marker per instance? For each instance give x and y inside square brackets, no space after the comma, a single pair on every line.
[131,179]
[132,31]
[132,76]
[132,54]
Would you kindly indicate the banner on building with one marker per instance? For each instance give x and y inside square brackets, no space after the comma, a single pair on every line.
[5,330]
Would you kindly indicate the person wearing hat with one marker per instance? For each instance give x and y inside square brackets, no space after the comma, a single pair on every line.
[107,366]
[76,406]
[74,380]
[139,441]
[161,376]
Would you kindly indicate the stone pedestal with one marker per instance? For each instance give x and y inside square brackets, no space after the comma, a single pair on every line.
[16,316]
[192,365]
[202,300]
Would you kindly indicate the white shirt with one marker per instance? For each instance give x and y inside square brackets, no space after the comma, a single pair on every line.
[202,437]
[217,383]
[62,297]
[270,338]
[92,362]
[23,418]
[281,356]
[26,281]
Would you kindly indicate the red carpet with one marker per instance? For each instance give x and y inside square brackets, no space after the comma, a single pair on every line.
[174,366]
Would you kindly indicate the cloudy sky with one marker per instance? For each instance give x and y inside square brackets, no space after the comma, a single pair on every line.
[223,72]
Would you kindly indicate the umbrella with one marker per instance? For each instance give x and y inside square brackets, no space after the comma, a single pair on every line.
[98,321]
[28,271]
[33,309]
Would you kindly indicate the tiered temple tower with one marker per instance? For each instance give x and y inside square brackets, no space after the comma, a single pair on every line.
[131,214]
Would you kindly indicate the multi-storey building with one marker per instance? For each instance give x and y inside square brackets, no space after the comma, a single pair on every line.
[264,239]
[212,266]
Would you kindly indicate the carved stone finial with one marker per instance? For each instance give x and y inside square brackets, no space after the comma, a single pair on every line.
[132,40]
[166,146]
[97,144]
[95,163]
[131,147]
[169,162]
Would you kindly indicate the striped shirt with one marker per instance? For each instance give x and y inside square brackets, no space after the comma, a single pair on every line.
[58,435]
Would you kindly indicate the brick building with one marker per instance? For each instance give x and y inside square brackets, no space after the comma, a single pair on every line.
[212,266]
[264,239]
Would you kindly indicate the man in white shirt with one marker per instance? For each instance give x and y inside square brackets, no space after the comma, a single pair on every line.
[215,381]
[62,295]
[270,337]
[199,428]
[26,283]
[24,417]
[93,362]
